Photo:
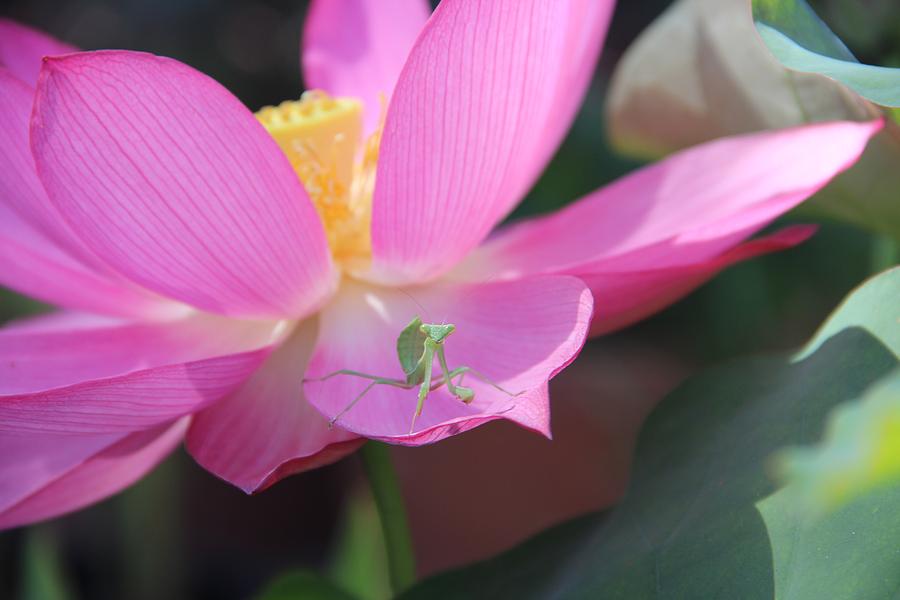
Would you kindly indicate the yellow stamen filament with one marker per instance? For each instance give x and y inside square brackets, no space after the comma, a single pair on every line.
[321,137]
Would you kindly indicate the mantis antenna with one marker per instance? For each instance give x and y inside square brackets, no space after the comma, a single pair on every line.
[425,311]
[416,302]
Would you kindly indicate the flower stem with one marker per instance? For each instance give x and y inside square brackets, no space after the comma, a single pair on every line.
[379,469]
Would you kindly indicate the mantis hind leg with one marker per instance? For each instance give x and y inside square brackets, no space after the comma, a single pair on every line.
[379,379]
[376,381]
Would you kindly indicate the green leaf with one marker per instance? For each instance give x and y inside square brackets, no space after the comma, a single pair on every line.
[802,42]
[703,517]
[860,452]
[303,585]
[795,19]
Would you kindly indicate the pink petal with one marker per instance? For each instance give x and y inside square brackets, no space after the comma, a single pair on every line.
[44,476]
[358,47]
[631,295]
[22,48]
[171,181]
[92,375]
[487,92]
[684,210]
[28,462]
[35,264]
[266,430]
[20,189]
[517,333]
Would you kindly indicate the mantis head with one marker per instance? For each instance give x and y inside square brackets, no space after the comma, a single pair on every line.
[438,333]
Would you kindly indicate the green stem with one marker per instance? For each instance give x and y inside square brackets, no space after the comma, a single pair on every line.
[43,576]
[379,469]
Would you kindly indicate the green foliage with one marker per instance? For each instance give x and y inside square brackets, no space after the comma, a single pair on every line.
[802,42]
[860,452]
[303,585]
[14,306]
[703,517]
[797,20]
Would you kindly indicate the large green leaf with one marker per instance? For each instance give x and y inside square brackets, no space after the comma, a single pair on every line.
[861,451]
[802,42]
[703,518]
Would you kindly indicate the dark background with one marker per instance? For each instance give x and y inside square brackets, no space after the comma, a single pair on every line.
[181,533]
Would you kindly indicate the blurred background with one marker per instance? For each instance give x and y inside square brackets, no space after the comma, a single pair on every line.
[182,533]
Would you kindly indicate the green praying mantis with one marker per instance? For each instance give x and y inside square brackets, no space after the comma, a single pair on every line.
[417,346]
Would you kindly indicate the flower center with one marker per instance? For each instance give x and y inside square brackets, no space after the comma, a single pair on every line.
[322,138]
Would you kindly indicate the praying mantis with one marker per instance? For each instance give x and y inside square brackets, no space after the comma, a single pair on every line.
[417,346]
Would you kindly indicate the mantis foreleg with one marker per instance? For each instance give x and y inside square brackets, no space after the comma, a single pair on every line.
[385,380]
[459,371]
[463,393]
[425,387]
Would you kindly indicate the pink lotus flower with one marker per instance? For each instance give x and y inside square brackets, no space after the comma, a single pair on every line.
[202,279]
